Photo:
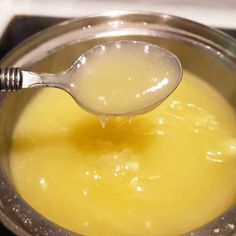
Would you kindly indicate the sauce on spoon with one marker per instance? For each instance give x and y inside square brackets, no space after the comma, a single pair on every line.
[124,78]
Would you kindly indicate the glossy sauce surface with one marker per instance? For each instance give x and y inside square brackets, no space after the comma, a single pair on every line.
[124,77]
[159,174]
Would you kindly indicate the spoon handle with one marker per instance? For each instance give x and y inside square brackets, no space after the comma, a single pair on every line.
[11,79]
[14,79]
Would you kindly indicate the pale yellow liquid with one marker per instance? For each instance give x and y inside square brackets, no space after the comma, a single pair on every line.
[162,174]
[125,77]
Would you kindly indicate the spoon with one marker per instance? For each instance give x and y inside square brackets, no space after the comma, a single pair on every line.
[116,78]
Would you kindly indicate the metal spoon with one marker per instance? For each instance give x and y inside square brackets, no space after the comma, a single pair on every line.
[14,79]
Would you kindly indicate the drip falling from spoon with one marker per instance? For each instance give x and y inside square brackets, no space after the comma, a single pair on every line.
[117,78]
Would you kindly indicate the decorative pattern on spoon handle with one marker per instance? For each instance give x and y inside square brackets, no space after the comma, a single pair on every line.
[10,79]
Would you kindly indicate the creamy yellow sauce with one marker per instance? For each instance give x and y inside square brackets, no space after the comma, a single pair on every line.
[160,174]
[124,77]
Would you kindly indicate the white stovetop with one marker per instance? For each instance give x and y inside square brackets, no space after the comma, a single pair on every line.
[217,13]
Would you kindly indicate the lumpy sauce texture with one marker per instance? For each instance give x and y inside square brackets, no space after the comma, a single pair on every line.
[163,173]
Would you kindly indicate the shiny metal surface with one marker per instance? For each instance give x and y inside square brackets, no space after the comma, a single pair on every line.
[10,79]
[202,50]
